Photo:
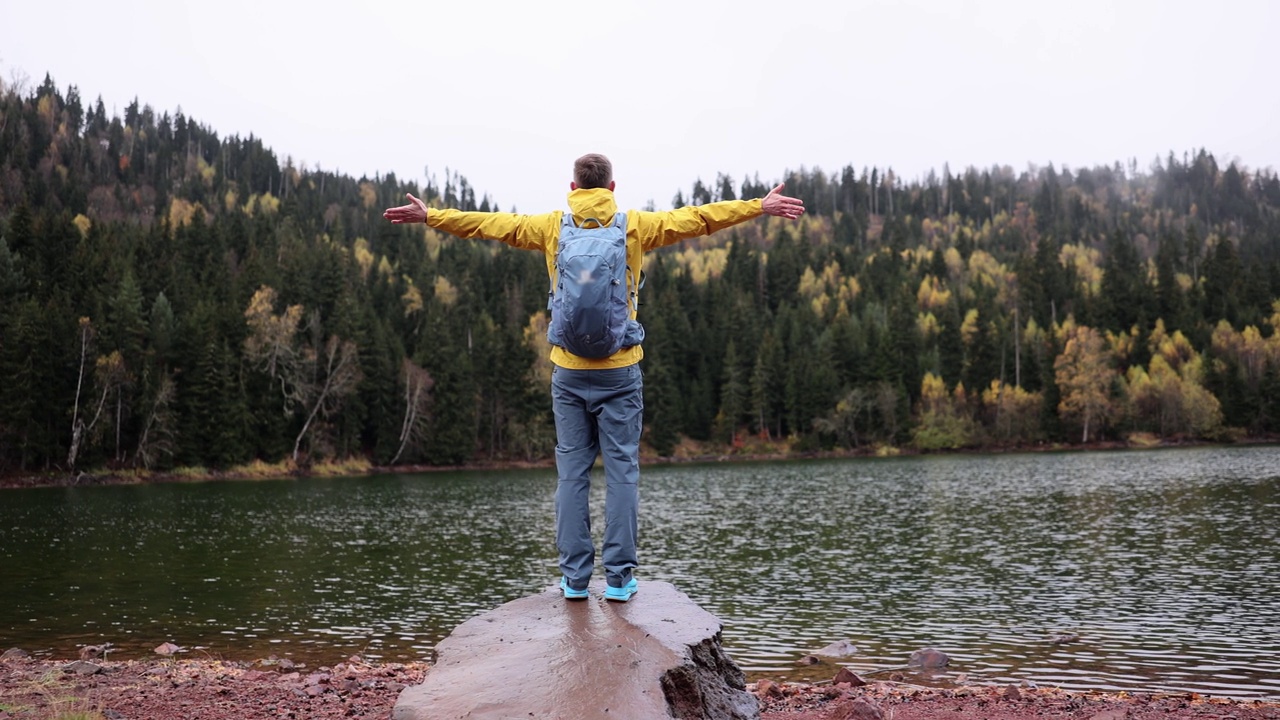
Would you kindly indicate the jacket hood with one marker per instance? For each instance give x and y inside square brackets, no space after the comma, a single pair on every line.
[597,203]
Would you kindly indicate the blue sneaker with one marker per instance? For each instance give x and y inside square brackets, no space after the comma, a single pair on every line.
[621,594]
[570,593]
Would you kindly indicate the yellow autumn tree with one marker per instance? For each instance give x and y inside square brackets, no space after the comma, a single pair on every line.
[445,291]
[932,295]
[1013,414]
[363,256]
[412,297]
[181,212]
[944,422]
[535,337]
[1169,402]
[1085,376]
[272,343]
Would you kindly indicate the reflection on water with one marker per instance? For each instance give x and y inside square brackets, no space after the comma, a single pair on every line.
[1165,564]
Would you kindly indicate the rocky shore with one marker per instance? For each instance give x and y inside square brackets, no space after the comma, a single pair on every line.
[899,701]
[199,689]
[271,689]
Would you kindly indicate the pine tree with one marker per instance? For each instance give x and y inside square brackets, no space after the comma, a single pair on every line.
[1223,280]
[734,395]
[1124,291]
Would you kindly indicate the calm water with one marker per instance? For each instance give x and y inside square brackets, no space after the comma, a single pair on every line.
[1166,564]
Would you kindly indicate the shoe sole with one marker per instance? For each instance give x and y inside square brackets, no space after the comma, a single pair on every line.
[619,598]
[570,594]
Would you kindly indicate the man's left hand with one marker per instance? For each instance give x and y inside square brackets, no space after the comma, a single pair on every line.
[777,204]
[414,212]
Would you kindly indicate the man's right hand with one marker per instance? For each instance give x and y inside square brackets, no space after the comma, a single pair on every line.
[414,212]
[775,203]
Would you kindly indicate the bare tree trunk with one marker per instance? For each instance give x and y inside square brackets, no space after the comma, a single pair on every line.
[324,391]
[409,417]
[1017,350]
[416,382]
[78,432]
[158,424]
[119,412]
[77,425]
[338,376]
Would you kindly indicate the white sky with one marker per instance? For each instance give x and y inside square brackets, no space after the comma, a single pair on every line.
[509,93]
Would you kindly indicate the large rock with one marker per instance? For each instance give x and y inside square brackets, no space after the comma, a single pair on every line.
[544,657]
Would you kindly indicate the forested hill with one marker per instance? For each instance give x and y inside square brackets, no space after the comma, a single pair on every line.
[170,297]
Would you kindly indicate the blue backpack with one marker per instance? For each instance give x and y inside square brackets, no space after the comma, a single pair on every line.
[590,301]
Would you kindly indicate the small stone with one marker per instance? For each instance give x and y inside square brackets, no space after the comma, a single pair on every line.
[82,667]
[1111,715]
[315,690]
[257,675]
[1012,693]
[15,654]
[92,652]
[110,714]
[809,660]
[897,677]
[167,649]
[768,688]
[858,709]
[286,664]
[848,676]
[929,658]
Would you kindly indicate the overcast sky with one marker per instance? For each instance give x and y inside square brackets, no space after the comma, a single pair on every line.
[509,93]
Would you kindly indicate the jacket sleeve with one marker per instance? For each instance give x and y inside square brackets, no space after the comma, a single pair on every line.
[527,232]
[658,229]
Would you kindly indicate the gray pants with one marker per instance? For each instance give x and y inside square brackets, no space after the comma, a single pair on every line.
[598,412]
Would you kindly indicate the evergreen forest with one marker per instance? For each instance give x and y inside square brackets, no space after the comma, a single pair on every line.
[172,298]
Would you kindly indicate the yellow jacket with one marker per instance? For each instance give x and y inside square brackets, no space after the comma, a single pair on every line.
[645,231]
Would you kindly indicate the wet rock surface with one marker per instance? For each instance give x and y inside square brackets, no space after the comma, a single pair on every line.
[542,656]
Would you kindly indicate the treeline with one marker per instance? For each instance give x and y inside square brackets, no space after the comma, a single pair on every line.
[169,297]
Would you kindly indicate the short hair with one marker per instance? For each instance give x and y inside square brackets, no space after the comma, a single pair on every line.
[592,170]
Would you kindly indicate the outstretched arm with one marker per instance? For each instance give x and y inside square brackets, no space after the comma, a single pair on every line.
[658,229]
[529,232]
[414,212]
[775,203]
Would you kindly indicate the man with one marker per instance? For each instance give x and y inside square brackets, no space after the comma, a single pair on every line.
[598,400]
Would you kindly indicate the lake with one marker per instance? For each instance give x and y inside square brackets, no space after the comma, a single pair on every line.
[1122,570]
